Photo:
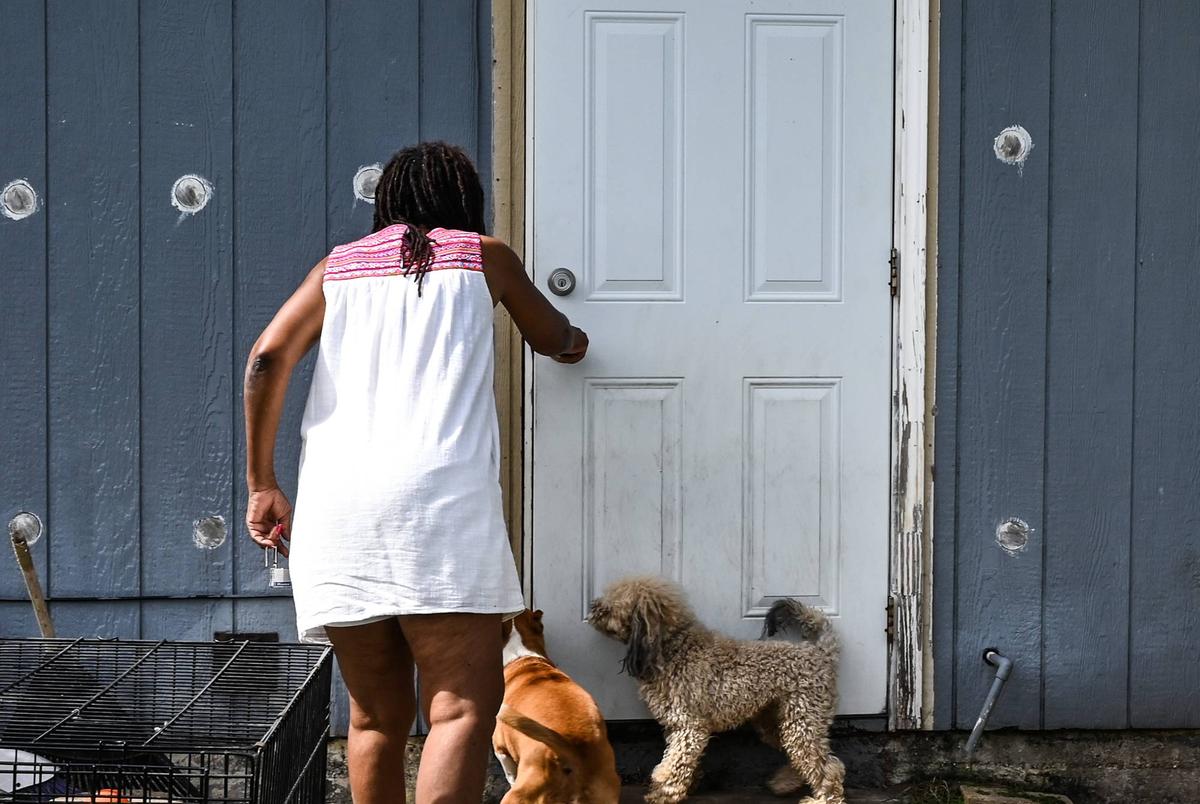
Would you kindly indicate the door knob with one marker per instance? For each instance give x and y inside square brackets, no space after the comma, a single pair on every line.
[561,282]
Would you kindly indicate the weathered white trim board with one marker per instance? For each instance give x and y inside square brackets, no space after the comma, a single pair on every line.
[909,504]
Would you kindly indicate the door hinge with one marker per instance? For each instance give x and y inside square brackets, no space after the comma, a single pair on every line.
[890,627]
[894,264]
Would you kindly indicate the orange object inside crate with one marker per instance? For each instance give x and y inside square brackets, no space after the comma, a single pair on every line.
[106,796]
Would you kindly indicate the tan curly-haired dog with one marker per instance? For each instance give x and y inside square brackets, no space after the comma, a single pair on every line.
[697,682]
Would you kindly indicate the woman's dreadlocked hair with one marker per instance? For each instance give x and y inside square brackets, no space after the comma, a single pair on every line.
[425,186]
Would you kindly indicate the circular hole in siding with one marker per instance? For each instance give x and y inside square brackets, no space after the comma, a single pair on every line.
[1012,145]
[26,525]
[190,194]
[1013,535]
[18,200]
[365,182]
[209,532]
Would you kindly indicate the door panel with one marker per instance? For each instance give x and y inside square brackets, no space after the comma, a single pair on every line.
[718,176]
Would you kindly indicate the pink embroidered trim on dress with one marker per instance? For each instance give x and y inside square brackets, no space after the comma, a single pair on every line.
[381,254]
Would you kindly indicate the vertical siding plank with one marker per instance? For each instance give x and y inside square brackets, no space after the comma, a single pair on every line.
[92,95]
[23,279]
[1165,614]
[188,620]
[1089,383]
[1002,366]
[483,101]
[450,73]
[946,418]
[279,216]
[187,318]
[374,103]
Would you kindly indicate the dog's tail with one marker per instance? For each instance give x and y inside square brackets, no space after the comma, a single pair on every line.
[510,717]
[794,617]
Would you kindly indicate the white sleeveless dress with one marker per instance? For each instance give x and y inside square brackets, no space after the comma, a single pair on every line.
[398,509]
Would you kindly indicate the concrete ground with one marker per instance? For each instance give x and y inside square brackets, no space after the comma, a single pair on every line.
[1090,767]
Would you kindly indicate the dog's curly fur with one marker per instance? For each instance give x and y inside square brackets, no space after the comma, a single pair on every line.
[697,682]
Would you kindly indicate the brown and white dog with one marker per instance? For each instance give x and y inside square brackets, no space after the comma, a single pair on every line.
[550,737]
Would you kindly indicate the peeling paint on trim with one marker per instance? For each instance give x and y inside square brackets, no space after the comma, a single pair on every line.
[907,659]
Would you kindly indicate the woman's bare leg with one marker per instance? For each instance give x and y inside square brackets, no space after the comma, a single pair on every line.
[378,669]
[462,685]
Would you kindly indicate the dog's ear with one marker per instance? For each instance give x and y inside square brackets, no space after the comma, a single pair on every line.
[642,655]
[538,626]
[634,662]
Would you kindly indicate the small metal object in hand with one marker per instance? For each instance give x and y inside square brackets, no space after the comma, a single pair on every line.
[278,576]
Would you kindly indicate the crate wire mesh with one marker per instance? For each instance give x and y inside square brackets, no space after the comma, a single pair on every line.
[114,721]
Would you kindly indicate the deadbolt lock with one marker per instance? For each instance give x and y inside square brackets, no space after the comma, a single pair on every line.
[561,281]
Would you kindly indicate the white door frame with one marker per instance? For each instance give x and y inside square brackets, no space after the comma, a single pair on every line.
[910,587]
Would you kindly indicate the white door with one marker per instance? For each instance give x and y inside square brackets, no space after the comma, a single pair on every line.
[717,175]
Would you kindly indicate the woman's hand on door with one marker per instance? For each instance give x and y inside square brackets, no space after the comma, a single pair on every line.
[577,350]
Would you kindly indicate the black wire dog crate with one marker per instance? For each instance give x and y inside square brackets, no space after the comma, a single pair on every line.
[111,722]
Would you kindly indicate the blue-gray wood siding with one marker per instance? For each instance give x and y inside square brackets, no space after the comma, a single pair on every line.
[126,325]
[1068,371]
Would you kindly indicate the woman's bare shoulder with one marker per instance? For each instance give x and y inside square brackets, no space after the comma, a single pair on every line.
[497,250]
[498,257]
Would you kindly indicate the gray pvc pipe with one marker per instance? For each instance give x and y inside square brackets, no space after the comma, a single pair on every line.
[1003,667]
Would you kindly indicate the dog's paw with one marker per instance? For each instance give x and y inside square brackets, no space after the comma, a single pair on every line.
[785,781]
[664,795]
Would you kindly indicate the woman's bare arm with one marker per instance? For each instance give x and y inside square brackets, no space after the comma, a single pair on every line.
[547,331]
[289,336]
